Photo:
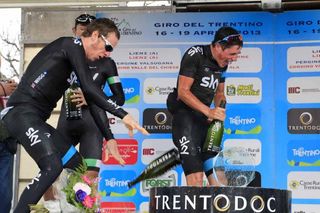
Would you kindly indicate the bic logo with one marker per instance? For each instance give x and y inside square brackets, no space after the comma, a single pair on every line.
[294,90]
[148,151]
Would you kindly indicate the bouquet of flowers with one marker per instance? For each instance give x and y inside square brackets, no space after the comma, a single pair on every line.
[82,191]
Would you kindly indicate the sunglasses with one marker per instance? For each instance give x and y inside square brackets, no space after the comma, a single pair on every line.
[85,18]
[108,45]
[231,38]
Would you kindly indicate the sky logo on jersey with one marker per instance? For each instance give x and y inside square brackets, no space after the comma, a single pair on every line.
[131,89]
[77,41]
[128,149]
[303,153]
[117,185]
[117,207]
[243,121]
[157,120]
[303,121]
[73,78]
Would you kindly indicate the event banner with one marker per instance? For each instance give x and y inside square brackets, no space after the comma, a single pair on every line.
[297,104]
[264,100]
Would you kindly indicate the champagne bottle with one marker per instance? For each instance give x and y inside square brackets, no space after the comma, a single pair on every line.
[214,135]
[159,166]
[72,111]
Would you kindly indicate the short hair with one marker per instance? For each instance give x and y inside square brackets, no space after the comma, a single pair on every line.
[84,19]
[103,25]
[222,35]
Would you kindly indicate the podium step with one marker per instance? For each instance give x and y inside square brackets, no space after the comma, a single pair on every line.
[219,200]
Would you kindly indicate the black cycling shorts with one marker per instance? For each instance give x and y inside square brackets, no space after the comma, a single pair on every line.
[189,130]
[37,137]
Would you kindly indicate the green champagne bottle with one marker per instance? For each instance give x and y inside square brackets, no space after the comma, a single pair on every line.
[158,166]
[214,135]
[72,111]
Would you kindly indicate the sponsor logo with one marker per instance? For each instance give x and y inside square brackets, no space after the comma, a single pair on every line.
[303,153]
[73,78]
[154,148]
[77,41]
[117,125]
[243,90]
[35,179]
[125,27]
[303,89]
[166,180]
[184,145]
[243,122]
[251,147]
[304,185]
[220,203]
[131,89]
[117,207]
[128,149]
[209,82]
[294,90]
[33,136]
[117,185]
[194,50]
[303,121]
[38,79]
[156,90]
[157,120]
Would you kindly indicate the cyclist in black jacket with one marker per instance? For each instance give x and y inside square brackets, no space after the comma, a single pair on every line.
[47,77]
[85,131]
[201,81]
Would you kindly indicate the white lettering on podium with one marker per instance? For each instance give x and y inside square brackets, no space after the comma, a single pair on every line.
[268,204]
[205,201]
[176,200]
[237,203]
[190,202]
[253,200]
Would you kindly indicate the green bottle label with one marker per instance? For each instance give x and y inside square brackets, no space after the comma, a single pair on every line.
[214,135]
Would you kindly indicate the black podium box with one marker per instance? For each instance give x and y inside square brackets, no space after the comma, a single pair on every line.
[219,200]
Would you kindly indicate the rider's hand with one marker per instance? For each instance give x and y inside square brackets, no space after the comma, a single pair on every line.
[111,147]
[131,124]
[217,113]
[78,97]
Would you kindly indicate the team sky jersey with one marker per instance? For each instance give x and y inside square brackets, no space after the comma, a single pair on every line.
[199,64]
[102,71]
[50,73]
